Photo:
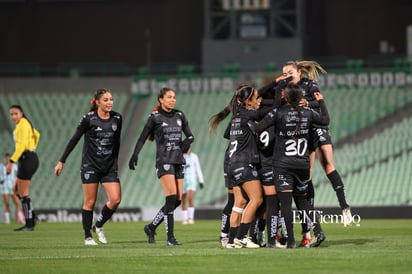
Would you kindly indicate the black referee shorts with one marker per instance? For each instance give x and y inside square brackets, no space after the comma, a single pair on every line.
[27,165]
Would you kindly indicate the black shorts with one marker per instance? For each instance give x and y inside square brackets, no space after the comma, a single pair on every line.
[27,165]
[266,176]
[174,169]
[296,180]
[320,137]
[241,174]
[228,183]
[92,176]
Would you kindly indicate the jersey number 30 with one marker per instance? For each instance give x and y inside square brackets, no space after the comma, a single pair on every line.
[296,147]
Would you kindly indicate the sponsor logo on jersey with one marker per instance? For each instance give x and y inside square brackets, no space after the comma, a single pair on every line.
[164,124]
[99,128]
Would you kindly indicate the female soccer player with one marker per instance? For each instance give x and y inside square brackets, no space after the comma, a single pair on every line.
[26,139]
[304,73]
[292,124]
[243,161]
[165,125]
[101,128]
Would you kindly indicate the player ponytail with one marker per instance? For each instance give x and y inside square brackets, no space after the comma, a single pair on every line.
[97,95]
[242,94]
[309,69]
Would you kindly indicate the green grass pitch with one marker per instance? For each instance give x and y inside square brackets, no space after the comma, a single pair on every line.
[376,246]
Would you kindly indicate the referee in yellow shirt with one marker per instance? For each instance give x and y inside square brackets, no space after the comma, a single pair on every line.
[26,139]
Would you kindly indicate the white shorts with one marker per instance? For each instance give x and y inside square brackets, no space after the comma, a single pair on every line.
[189,185]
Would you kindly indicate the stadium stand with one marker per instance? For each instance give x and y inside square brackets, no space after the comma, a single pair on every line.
[376,171]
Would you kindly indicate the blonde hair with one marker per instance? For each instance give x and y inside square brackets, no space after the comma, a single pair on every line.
[309,69]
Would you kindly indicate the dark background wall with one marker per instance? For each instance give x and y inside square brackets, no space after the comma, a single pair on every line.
[55,32]
[354,28]
[100,31]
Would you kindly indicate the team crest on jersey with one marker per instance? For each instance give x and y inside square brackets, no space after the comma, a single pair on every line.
[87,176]
[166,167]
[179,122]
[114,126]
[254,173]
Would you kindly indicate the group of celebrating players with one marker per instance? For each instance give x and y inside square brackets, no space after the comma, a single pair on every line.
[275,134]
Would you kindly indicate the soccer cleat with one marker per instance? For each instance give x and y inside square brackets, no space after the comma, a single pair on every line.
[282,240]
[280,245]
[305,242]
[185,222]
[232,246]
[346,217]
[150,234]
[246,242]
[24,228]
[224,241]
[172,242]
[191,222]
[317,240]
[89,241]
[100,234]
[275,244]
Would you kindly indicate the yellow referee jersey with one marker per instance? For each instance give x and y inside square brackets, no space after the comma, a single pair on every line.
[25,137]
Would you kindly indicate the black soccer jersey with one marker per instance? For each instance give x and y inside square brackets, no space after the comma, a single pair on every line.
[309,88]
[101,142]
[291,147]
[243,147]
[266,142]
[166,128]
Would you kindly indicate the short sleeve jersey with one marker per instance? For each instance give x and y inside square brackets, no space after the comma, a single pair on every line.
[167,129]
[101,141]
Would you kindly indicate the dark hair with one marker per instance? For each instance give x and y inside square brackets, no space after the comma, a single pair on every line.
[161,94]
[97,95]
[293,96]
[242,93]
[24,115]
[7,155]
